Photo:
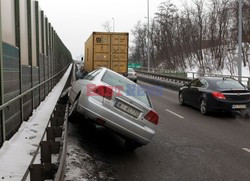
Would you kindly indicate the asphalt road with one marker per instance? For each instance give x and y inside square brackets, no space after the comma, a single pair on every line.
[187,147]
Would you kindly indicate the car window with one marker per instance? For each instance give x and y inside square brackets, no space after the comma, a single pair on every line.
[94,75]
[204,83]
[229,84]
[127,86]
[201,83]
[194,82]
[91,75]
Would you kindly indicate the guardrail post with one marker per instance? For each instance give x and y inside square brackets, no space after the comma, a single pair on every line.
[54,132]
[48,148]
[41,172]
[2,119]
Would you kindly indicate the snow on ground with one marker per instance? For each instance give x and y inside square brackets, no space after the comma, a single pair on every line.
[84,160]
[80,164]
[16,154]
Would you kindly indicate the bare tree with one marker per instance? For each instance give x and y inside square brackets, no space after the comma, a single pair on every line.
[202,36]
[107,27]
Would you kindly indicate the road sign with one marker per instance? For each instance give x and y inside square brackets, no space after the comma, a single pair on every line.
[134,65]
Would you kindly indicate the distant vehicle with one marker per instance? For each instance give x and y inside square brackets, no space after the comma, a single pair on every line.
[107,49]
[105,97]
[132,75]
[215,94]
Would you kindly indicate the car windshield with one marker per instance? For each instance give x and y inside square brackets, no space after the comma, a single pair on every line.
[130,88]
[228,84]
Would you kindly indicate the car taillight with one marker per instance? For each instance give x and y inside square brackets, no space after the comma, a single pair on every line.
[218,95]
[103,91]
[152,117]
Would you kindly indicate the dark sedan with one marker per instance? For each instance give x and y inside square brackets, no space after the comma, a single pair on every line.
[215,94]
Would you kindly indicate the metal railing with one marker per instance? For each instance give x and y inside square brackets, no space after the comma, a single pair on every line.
[56,130]
[55,144]
[30,90]
[19,97]
[190,75]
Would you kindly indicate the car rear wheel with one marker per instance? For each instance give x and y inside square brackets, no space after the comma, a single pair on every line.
[131,145]
[203,107]
[181,99]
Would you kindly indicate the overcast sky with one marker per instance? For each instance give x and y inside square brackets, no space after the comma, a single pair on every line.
[75,20]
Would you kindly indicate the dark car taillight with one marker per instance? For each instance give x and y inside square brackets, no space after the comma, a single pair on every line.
[103,91]
[218,95]
[152,117]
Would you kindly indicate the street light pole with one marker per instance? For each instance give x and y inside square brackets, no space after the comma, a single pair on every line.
[148,41]
[240,42]
[113,24]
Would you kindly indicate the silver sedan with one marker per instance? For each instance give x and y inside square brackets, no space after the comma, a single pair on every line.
[132,75]
[112,100]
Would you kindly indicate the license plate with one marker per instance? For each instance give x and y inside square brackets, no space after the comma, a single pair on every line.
[241,106]
[127,108]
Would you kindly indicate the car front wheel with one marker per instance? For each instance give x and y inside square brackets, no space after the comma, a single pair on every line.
[72,111]
[181,99]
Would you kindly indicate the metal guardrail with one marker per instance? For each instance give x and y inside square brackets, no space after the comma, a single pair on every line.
[167,81]
[165,77]
[56,144]
[192,75]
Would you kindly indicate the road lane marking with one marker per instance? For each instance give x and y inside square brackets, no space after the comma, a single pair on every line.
[246,149]
[175,114]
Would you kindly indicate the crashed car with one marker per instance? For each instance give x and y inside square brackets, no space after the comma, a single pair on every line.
[115,102]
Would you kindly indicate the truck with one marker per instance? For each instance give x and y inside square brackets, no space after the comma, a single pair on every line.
[107,49]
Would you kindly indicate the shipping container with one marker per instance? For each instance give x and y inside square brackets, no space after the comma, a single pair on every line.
[107,49]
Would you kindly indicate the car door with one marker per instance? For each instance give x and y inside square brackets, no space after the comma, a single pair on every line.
[188,93]
[197,91]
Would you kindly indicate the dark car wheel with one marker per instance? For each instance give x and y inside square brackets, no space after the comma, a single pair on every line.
[72,111]
[203,107]
[131,145]
[181,99]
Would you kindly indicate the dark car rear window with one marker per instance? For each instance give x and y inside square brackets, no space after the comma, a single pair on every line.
[228,84]
[130,88]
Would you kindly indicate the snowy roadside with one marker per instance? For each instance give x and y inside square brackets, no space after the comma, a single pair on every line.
[16,154]
[84,160]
